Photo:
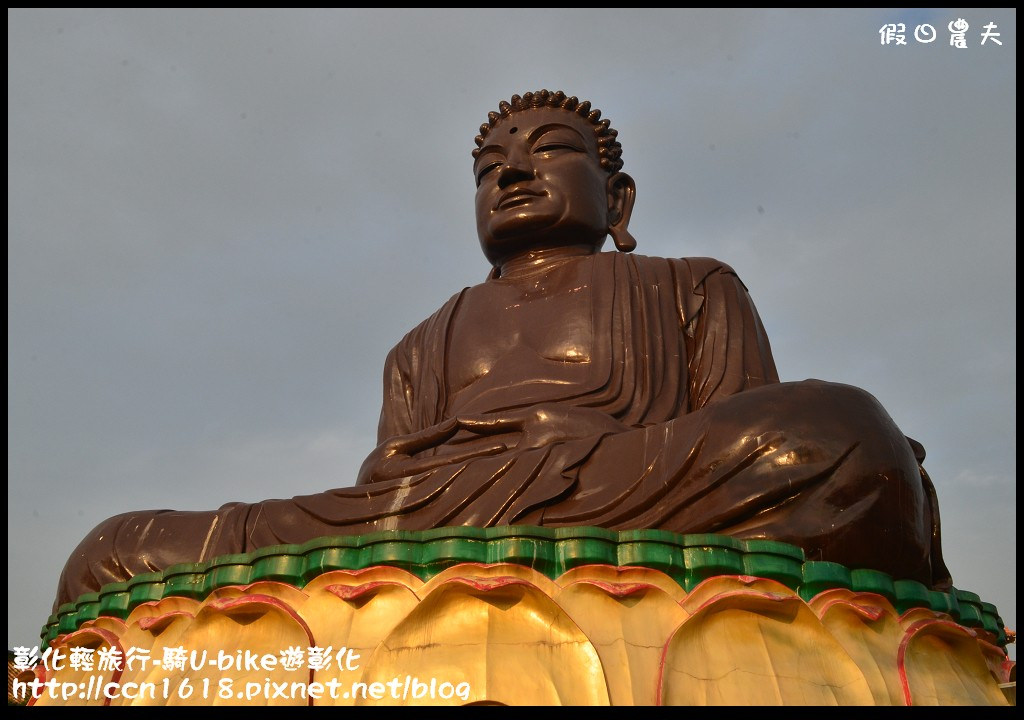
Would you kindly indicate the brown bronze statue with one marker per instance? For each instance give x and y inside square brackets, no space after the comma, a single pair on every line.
[577,387]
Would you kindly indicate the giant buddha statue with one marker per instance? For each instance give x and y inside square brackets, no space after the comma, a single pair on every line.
[581,387]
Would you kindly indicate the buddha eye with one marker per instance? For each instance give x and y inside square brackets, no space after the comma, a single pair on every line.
[550,147]
[486,170]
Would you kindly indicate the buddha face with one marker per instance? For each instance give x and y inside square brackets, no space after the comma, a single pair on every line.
[540,185]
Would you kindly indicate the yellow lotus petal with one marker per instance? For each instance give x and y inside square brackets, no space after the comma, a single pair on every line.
[229,630]
[918,614]
[628,623]
[940,663]
[377,573]
[146,637]
[627,574]
[827,597]
[998,663]
[111,624]
[79,686]
[356,618]
[490,570]
[492,639]
[288,594]
[868,628]
[749,647]
[156,608]
[722,584]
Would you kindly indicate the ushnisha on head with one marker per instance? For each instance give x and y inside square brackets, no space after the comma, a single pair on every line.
[548,174]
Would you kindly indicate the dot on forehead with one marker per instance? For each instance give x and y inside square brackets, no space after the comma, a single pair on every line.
[608,148]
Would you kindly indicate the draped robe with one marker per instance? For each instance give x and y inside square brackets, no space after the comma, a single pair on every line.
[713,442]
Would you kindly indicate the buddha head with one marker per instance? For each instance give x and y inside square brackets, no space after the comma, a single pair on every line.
[548,176]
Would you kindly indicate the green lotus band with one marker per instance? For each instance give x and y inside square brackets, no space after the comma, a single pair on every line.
[687,559]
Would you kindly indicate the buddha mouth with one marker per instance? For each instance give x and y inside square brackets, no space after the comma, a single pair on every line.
[517,196]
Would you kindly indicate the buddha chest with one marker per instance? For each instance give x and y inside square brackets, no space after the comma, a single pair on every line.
[535,328]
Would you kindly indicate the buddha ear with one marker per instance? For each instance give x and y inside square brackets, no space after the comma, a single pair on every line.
[621,195]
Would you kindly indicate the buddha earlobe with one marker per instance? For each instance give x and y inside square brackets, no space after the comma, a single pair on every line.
[624,241]
[621,195]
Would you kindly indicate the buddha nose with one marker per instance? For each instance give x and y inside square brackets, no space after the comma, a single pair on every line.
[516,168]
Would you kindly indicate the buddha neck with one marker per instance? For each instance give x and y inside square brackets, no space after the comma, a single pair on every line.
[539,261]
